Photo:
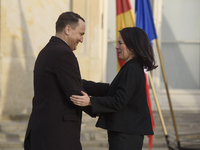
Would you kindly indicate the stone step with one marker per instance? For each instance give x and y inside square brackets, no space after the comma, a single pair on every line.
[183,127]
[11,148]
[13,126]
[85,144]
[105,148]
[16,130]
[12,136]
[105,143]
[92,138]
[180,120]
[11,144]
[102,135]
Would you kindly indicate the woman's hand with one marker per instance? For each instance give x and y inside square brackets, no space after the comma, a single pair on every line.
[81,100]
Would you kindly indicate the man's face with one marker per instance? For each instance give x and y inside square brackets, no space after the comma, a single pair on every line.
[76,35]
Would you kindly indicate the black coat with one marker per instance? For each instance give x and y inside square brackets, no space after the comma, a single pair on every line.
[55,121]
[124,108]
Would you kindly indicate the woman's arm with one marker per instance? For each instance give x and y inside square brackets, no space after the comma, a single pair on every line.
[124,92]
[95,88]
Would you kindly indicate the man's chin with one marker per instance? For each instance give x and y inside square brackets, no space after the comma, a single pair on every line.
[73,48]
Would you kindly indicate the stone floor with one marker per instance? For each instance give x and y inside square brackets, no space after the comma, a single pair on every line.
[12,132]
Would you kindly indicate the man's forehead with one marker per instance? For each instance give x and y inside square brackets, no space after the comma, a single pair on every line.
[81,27]
[80,23]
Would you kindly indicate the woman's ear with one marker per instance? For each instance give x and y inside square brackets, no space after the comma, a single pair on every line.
[132,52]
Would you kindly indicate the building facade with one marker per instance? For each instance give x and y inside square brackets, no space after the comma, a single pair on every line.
[26,26]
[178,29]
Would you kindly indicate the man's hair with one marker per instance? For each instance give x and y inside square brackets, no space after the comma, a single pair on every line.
[67,18]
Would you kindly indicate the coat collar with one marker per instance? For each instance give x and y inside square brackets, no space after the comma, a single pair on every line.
[59,40]
[130,62]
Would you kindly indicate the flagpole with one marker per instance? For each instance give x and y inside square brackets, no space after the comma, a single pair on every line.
[167,90]
[159,110]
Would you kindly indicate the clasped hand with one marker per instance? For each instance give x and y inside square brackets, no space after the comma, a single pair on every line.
[81,100]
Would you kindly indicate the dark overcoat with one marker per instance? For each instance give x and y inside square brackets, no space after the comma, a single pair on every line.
[124,108]
[55,121]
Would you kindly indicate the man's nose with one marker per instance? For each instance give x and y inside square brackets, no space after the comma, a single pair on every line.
[81,40]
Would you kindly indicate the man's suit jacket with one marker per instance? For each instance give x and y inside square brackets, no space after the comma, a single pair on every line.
[124,108]
[55,121]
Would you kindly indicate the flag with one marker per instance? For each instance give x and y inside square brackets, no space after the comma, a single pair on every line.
[150,110]
[124,18]
[144,20]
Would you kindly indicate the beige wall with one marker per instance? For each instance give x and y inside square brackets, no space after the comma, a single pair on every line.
[26,27]
[92,53]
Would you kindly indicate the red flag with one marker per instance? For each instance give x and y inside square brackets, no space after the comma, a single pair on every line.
[125,18]
[151,113]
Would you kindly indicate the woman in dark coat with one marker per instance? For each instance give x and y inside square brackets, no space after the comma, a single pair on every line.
[124,111]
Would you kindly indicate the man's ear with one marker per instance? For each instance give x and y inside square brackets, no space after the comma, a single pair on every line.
[67,29]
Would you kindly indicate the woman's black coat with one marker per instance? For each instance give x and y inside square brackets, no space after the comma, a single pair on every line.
[124,108]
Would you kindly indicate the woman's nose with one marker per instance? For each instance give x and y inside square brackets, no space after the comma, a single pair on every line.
[117,46]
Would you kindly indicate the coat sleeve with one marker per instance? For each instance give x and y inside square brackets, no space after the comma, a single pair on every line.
[68,74]
[95,89]
[88,110]
[69,78]
[126,88]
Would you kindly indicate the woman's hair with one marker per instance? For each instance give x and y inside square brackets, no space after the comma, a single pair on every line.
[137,42]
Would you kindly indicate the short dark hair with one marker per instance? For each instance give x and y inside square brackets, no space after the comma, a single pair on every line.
[137,41]
[67,18]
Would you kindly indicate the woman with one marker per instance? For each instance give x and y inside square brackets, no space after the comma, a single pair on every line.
[124,111]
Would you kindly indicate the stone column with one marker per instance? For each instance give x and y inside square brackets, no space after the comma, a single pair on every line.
[92,52]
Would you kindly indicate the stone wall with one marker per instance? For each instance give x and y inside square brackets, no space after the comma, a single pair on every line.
[26,26]
[92,53]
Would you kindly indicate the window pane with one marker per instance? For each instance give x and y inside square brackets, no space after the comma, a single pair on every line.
[182,65]
[180,46]
[181,20]
[111,62]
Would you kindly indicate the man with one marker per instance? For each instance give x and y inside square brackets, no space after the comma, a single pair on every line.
[55,121]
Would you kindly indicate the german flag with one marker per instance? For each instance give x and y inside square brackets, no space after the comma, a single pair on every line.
[125,18]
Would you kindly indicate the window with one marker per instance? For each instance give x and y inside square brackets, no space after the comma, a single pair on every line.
[180,43]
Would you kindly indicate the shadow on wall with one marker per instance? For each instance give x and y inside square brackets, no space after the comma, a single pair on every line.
[178,59]
[19,86]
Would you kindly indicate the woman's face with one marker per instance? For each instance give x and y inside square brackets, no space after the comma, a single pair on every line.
[123,52]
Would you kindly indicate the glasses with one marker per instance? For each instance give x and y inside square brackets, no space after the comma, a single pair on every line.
[120,43]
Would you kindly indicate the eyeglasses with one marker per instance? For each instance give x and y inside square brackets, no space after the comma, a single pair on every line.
[120,43]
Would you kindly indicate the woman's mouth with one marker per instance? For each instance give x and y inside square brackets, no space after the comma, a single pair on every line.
[119,52]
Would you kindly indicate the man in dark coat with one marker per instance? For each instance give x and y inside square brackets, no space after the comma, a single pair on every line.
[55,121]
